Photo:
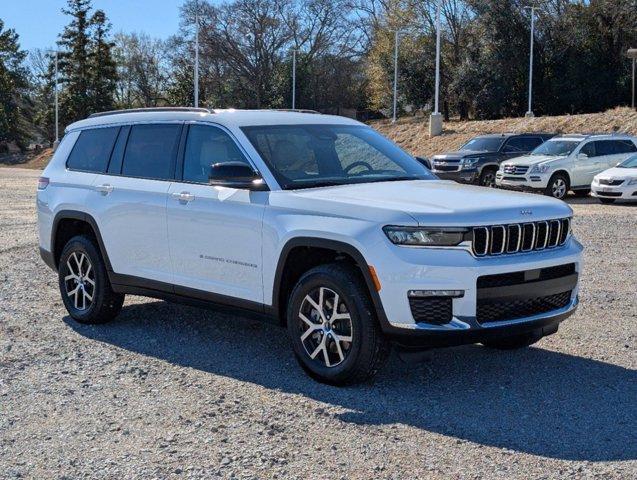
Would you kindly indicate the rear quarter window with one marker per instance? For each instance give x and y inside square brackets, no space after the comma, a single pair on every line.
[92,150]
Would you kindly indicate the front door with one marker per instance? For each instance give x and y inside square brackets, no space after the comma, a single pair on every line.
[586,165]
[215,233]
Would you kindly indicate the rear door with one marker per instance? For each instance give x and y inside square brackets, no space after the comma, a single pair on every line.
[215,233]
[131,201]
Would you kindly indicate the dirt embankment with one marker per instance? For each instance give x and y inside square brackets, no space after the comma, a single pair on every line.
[413,133]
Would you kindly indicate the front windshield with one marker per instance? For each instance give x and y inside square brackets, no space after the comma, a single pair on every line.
[556,148]
[305,156]
[630,162]
[483,144]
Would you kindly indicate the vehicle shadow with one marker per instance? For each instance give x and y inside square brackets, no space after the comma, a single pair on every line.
[534,400]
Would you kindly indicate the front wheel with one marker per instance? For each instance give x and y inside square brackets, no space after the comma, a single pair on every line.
[487,178]
[557,186]
[84,285]
[333,327]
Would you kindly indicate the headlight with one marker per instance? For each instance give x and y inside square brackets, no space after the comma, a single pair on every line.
[632,181]
[425,236]
[540,168]
[467,163]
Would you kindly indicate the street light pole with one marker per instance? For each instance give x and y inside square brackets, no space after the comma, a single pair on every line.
[632,54]
[435,120]
[196,54]
[529,113]
[395,74]
[57,131]
[293,79]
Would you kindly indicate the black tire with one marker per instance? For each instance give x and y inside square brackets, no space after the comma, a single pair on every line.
[582,192]
[606,200]
[512,343]
[558,186]
[368,349]
[92,303]
[487,177]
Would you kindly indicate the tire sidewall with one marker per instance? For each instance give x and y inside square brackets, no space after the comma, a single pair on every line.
[357,309]
[554,178]
[81,244]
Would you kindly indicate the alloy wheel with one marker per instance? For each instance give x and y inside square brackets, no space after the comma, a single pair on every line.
[325,327]
[79,281]
[559,188]
[488,179]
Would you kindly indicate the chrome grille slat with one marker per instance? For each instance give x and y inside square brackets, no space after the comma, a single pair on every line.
[531,236]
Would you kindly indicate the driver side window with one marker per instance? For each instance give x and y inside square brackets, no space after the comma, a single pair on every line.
[588,149]
[205,146]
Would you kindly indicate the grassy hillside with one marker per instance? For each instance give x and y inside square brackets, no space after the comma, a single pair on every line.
[413,134]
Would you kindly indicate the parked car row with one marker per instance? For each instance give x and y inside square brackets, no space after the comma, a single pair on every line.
[546,163]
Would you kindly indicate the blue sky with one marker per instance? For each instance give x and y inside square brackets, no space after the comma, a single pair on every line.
[38,22]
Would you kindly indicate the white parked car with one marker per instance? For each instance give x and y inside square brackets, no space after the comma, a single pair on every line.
[617,183]
[565,162]
[316,220]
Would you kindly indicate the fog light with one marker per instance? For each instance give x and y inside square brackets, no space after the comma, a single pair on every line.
[436,293]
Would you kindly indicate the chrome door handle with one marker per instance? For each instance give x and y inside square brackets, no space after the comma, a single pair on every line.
[183,197]
[104,189]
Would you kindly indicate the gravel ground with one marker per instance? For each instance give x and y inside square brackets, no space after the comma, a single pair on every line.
[173,391]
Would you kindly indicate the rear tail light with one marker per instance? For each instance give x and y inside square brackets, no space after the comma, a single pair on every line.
[43,182]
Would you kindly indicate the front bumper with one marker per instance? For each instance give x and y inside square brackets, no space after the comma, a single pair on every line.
[454,269]
[525,182]
[461,176]
[619,192]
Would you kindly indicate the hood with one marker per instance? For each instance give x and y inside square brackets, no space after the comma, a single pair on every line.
[618,173]
[532,160]
[427,202]
[461,154]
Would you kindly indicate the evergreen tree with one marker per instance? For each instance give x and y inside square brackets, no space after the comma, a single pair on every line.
[13,86]
[103,70]
[75,62]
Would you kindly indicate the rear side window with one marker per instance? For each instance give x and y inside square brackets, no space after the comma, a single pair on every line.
[624,146]
[522,144]
[92,150]
[151,151]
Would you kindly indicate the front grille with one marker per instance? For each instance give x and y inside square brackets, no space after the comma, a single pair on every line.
[498,310]
[609,194]
[435,310]
[446,167]
[604,181]
[520,237]
[515,169]
[516,278]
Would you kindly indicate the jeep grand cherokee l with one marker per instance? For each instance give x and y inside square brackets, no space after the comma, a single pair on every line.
[316,220]
[477,161]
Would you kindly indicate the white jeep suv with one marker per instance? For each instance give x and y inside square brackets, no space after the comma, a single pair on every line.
[316,220]
[566,162]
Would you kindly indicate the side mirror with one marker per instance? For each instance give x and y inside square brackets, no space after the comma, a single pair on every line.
[235,175]
[424,162]
[582,156]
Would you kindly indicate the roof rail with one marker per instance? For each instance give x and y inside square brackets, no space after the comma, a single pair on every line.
[297,110]
[149,109]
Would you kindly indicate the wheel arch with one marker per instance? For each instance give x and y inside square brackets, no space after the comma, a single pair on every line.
[565,173]
[339,250]
[67,224]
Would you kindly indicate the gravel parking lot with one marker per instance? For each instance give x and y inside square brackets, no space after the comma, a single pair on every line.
[174,391]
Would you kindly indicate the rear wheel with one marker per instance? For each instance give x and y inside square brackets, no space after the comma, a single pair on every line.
[333,327]
[558,186]
[606,200]
[487,177]
[514,342]
[84,286]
